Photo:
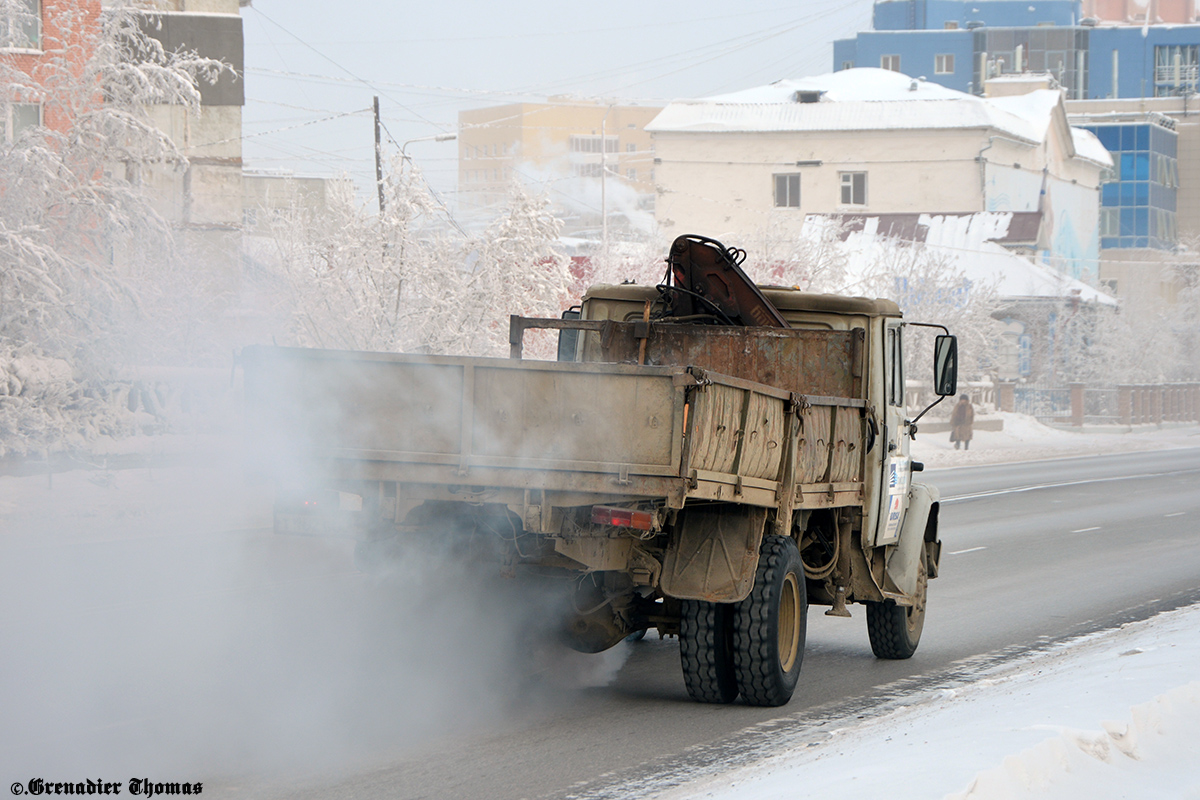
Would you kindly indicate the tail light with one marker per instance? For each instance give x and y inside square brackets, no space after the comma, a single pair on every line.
[623,517]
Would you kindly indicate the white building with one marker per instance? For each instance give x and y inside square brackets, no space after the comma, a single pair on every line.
[873,142]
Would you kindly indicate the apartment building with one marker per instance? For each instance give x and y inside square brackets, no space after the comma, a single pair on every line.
[566,146]
[32,33]
[873,142]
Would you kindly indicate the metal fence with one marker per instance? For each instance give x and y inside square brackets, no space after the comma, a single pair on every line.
[1046,403]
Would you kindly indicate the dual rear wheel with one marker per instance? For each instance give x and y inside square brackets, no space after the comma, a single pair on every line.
[755,647]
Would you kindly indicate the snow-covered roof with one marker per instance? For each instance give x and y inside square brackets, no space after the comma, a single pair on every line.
[869,99]
[1038,106]
[967,241]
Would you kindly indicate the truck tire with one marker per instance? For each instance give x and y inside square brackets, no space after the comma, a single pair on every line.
[895,631]
[769,626]
[705,651]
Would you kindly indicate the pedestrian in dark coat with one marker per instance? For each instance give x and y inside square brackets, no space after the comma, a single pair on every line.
[961,422]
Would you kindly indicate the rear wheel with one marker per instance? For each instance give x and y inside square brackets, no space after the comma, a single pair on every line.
[705,651]
[895,631]
[769,626]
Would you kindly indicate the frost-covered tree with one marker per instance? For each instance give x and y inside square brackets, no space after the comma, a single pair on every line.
[927,283]
[409,280]
[69,201]
[930,286]
[1146,338]
[816,261]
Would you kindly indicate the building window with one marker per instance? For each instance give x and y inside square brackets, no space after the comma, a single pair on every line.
[631,174]
[1110,222]
[943,64]
[631,148]
[787,190]
[591,144]
[21,24]
[890,62]
[585,170]
[854,188]
[1175,69]
[20,117]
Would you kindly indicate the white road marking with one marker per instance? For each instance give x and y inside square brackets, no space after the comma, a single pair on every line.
[1085,530]
[968,550]
[1017,489]
[1175,514]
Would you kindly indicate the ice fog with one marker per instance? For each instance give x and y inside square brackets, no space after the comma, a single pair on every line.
[152,623]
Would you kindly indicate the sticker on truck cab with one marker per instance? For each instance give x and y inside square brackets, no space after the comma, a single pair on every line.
[898,477]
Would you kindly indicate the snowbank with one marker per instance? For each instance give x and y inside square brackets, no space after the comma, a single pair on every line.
[1025,439]
[1114,714]
[1155,748]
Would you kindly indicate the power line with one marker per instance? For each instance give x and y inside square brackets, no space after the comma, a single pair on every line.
[361,80]
[557,34]
[245,136]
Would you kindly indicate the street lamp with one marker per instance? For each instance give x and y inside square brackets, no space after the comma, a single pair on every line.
[441,137]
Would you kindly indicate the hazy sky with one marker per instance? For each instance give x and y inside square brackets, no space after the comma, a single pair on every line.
[307,62]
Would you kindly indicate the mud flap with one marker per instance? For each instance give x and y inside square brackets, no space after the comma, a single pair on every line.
[905,558]
[714,553]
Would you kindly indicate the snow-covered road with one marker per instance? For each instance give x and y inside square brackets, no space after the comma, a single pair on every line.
[276,651]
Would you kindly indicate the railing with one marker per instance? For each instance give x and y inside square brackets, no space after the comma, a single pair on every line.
[1101,406]
[1151,404]
[1079,404]
[1184,74]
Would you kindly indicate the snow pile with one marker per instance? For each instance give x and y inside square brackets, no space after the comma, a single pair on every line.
[1112,714]
[35,377]
[1023,438]
[1155,747]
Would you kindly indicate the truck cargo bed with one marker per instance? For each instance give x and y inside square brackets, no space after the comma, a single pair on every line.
[593,430]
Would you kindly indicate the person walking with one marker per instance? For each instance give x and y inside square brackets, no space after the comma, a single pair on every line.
[961,422]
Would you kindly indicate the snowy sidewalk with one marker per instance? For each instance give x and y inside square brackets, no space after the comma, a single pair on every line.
[1025,439]
[1112,715]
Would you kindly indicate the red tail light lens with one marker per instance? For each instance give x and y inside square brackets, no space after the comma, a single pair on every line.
[622,518]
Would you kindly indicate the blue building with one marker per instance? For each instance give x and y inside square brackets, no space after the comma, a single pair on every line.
[961,44]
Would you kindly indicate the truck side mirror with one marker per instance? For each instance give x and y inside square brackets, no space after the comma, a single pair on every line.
[568,340]
[945,365]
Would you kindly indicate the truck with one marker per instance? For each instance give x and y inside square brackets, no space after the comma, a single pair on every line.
[705,457]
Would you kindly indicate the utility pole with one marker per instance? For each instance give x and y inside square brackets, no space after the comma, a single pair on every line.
[378,160]
[604,182]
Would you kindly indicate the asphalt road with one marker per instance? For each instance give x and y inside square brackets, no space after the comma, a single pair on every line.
[296,677]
